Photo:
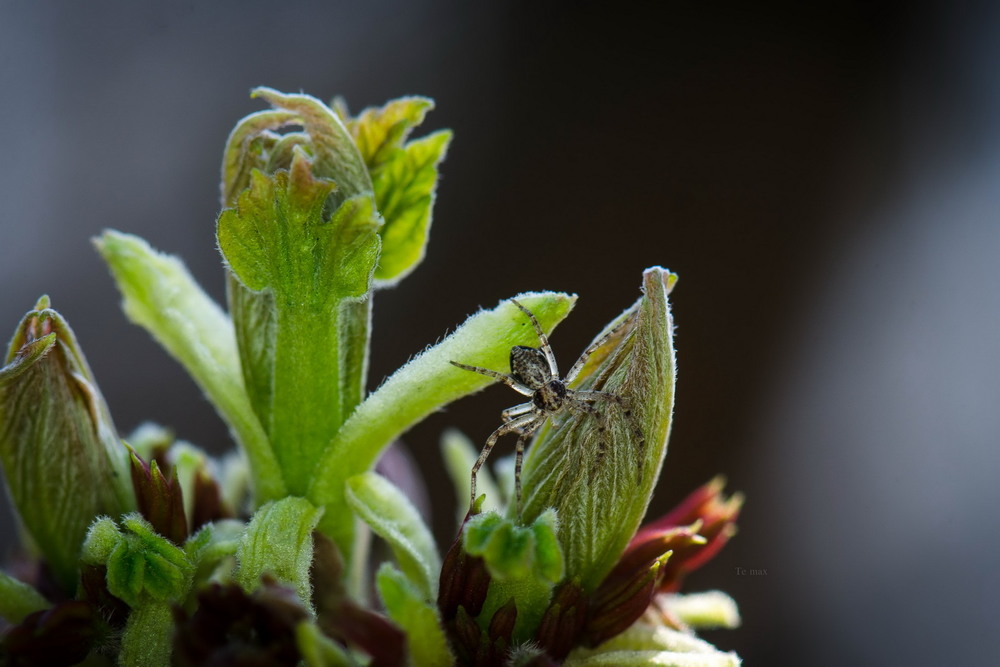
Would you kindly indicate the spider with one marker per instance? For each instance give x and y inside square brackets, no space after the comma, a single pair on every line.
[534,373]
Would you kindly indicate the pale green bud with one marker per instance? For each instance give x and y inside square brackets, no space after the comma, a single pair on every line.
[598,471]
[62,457]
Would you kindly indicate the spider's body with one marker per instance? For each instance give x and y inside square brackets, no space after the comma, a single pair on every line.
[534,373]
[530,368]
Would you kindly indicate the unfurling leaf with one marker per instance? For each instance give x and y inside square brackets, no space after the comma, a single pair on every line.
[525,562]
[404,176]
[142,566]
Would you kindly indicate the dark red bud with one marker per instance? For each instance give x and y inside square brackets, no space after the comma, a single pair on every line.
[208,505]
[640,554]
[464,582]
[563,621]
[617,606]
[466,636]
[708,512]
[159,498]
[502,623]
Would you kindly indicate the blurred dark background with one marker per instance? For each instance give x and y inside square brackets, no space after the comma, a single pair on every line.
[825,181]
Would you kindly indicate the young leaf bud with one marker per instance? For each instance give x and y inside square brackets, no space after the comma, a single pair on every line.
[598,470]
[62,457]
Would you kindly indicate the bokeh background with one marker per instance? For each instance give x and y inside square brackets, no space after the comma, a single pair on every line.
[825,181]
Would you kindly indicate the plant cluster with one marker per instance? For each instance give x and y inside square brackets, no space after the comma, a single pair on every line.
[147,551]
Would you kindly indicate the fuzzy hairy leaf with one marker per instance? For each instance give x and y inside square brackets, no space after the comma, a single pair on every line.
[379,132]
[253,145]
[404,192]
[142,566]
[162,297]
[423,385]
[404,176]
[278,541]
[391,516]
[299,267]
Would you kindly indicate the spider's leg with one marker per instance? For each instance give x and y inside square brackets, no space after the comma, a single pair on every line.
[513,425]
[640,438]
[506,379]
[578,366]
[542,338]
[516,411]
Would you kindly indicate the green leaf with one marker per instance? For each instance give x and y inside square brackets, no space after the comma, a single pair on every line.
[278,541]
[326,145]
[548,553]
[379,132]
[18,599]
[161,296]
[480,531]
[404,178]
[422,386]
[391,516]
[408,608]
[298,266]
[142,565]
[280,236]
[459,457]
[103,537]
[249,147]
[61,454]
[404,193]
[512,551]
[162,568]
[510,554]
[212,547]
[25,357]
[600,480]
